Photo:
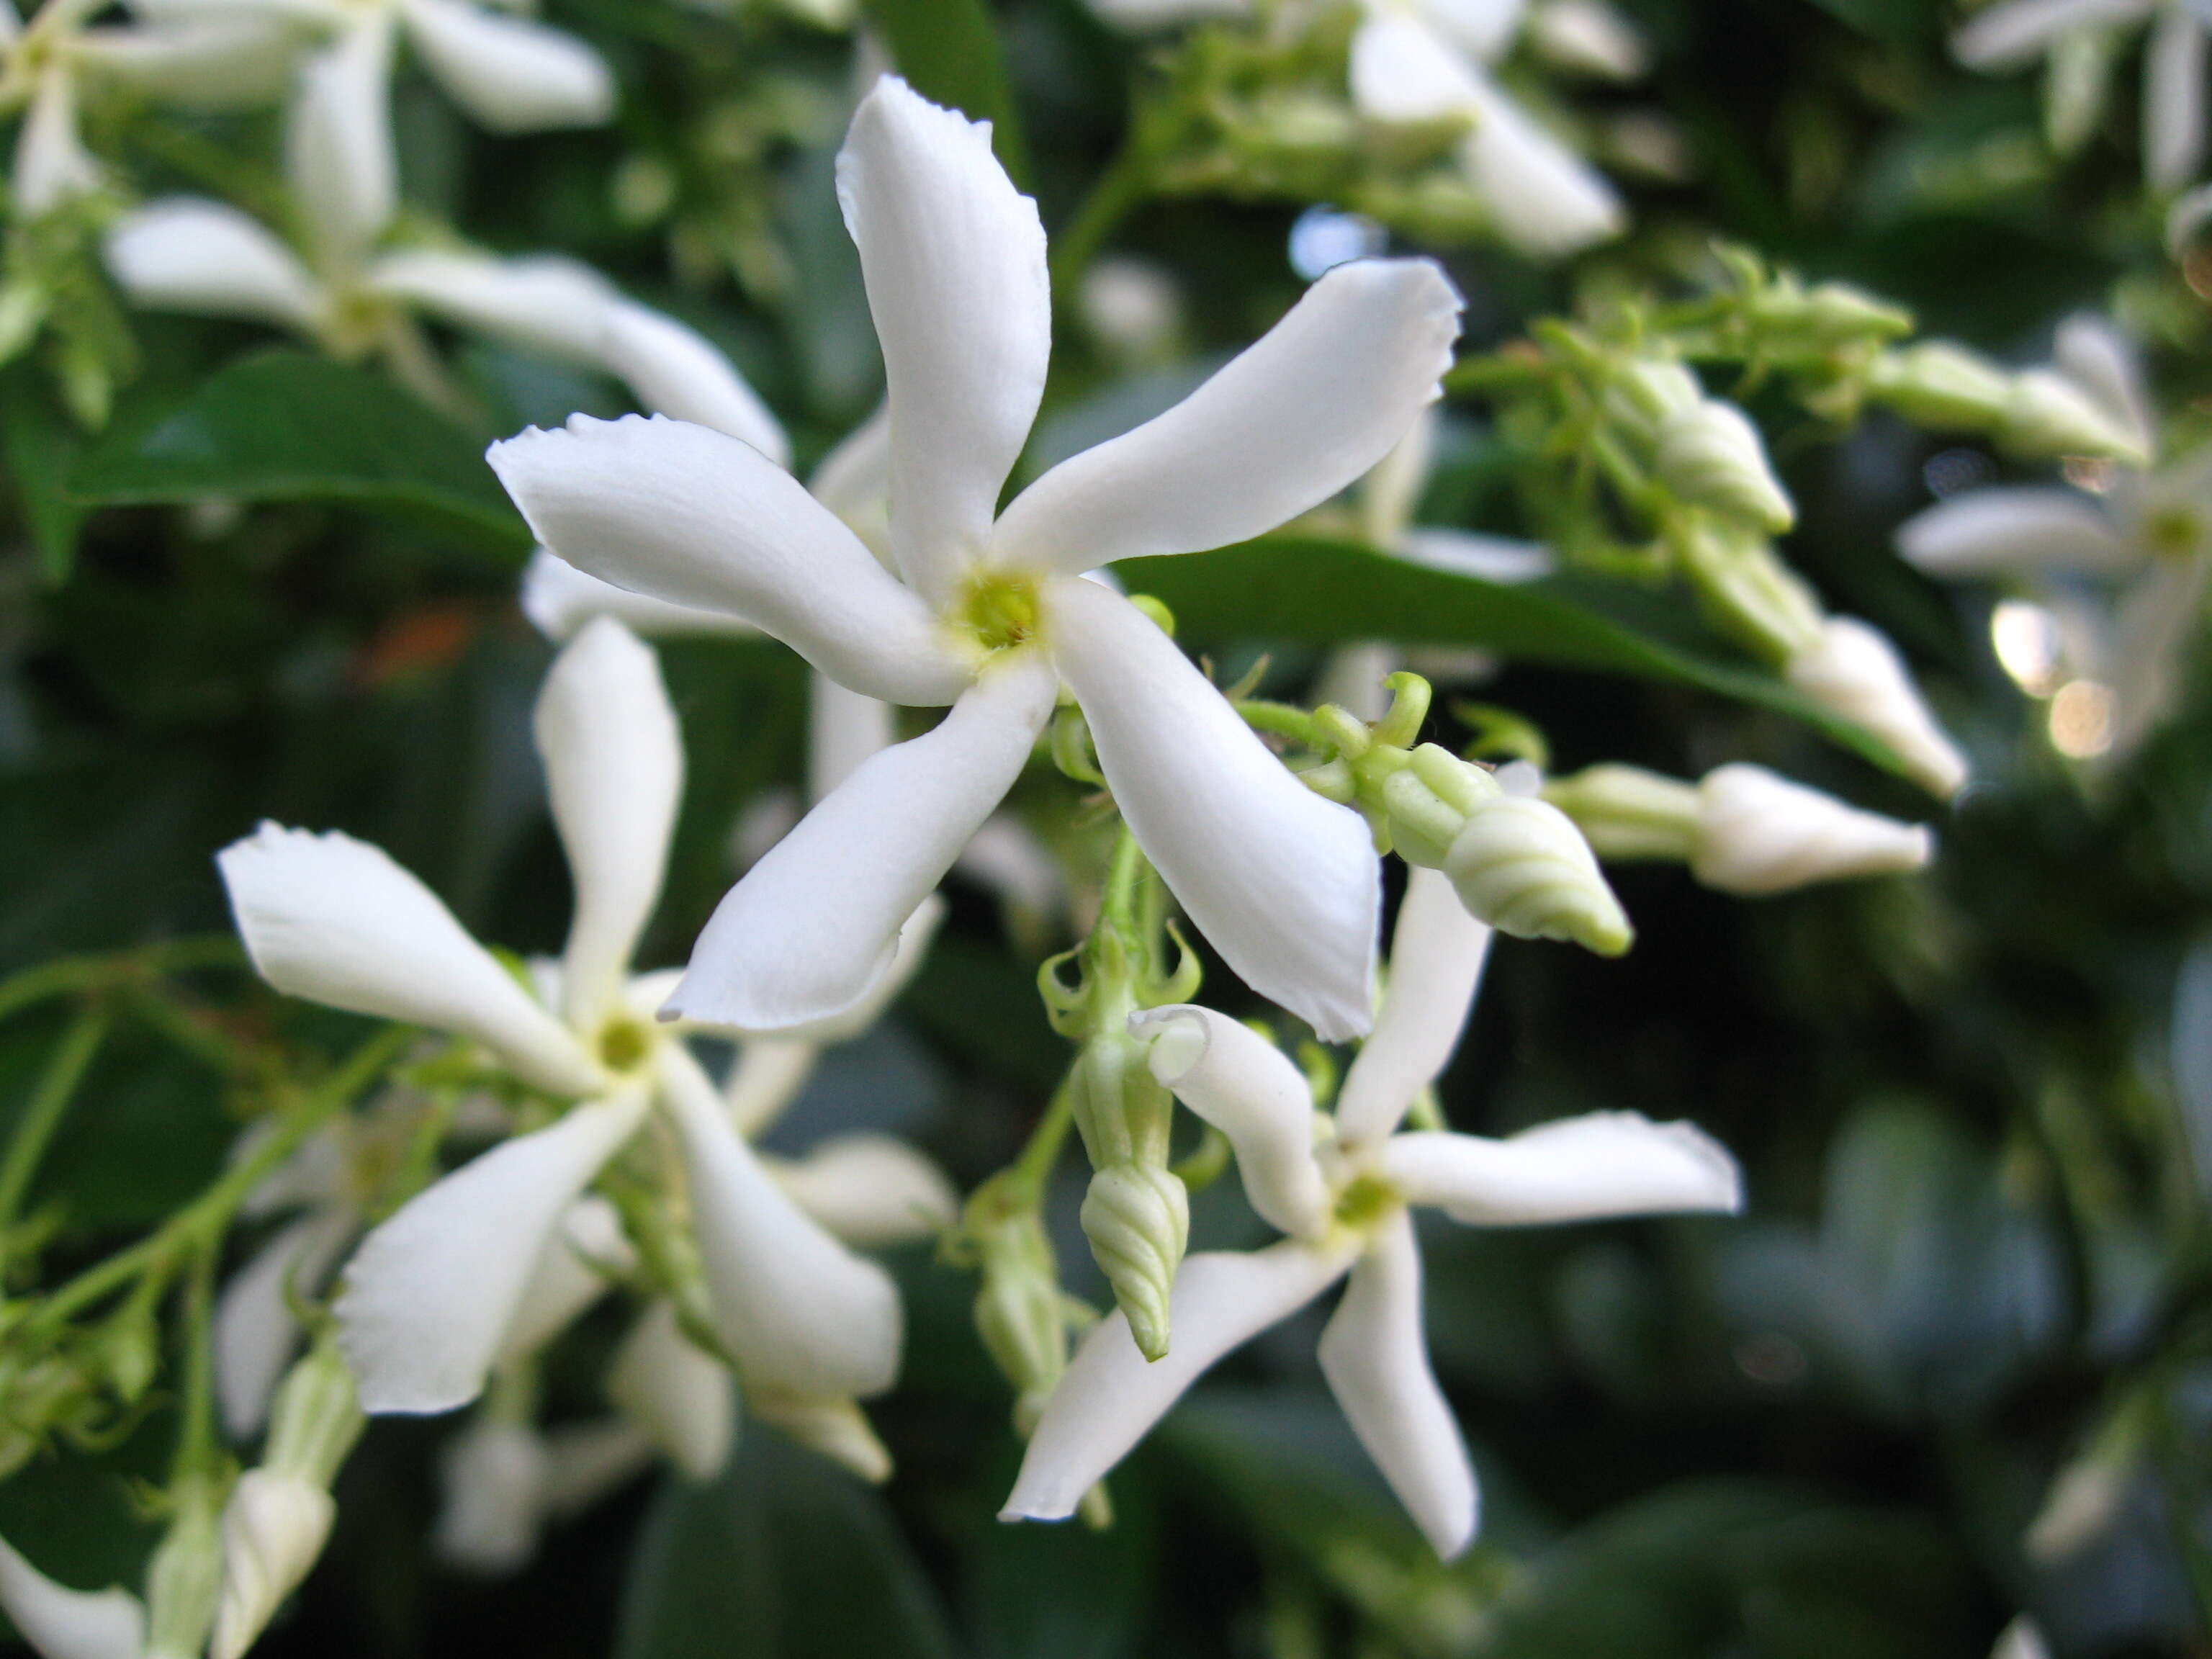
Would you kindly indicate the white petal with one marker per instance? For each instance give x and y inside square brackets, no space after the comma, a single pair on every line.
[186,254]
[430,1295]
[677,371]
[1547,200]
[688,514]
[1403,72]
[302,16]
[1375,1356]
[2100,357]
[1854,670]
[1138,14]
[559,599]
[954,262]
[614,773]
[52,166]
[1286,885]
[766,1077]
[335,921]
[2173,98]
[512,75]
[870,1190]
[1759,833]
[681,1396]
[255,1332]
[812,927]
[213,65]
[800,1313]
[854,481]
[2025,529]
[1247,1088]
[1577,1169]
[1588,37]
[493,1475]
[2158,617]
[1325,395]
[2010,35]
[843,728]
[545,303]
[67,1624]
[11,23]
[571,1273]
[1464,553]
[1111,1395]
[338,142]
[1437,957]
[1484,27]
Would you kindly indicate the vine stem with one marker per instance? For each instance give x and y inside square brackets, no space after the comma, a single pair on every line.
[75,975]
[50,1103]
[196,1450]
[203,1221]
[1124,185]
[1031,1171]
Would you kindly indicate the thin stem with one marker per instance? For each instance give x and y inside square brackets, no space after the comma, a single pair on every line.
[1125,877]
[97,972]
[1030,1171]
[1284,720]
[1124,185]
[195,1440]
[72,1058]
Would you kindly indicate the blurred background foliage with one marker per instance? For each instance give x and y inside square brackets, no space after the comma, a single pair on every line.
[1975,1108]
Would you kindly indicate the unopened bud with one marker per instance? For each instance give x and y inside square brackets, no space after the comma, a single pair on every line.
[1020,1313]
[835,1429]
[130,1353]
[1588,37]
[23,308]
[494,1476]
[315,1417]
[1759,833]
[1941,385]
[185,1579]
[1744,587]
[273,1531]
[1522,865]
[1853,671]
[2048,417]
[680,1395]
[1646,392]
[1711,455]
[1626,812]
[1137,1216]
[1830,315]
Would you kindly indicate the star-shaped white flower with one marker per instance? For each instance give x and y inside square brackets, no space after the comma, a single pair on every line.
[432,1297]
[989,610]
[1346,1201]
[2146,540]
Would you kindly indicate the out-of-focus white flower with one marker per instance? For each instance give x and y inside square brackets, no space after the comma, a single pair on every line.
[436,1294]
[1852,669]
[990,612]
[1589,38]
[1133,308]
[2141,541]
[208,61]
[1426,60]
[2014,33]
[67,1624]
[1346,1201]
[2021,1639]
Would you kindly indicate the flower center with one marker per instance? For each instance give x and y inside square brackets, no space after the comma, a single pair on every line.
[2173,532]
[1364,1201]
[623,1044]
[1000,609]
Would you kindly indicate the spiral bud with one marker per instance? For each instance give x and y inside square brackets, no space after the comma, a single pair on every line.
[1020,1312]
[185,1579]
[1852,670]
[1759,833]
[1711,455]
[2048,415]
[273,1531]
[1137,1216]
[1522,865]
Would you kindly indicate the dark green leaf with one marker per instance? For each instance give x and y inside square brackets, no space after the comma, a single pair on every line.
[950,51]
[1310,591]
[41,443]
[784,1556]
[282,426]
[1885,19]
[1064,1591]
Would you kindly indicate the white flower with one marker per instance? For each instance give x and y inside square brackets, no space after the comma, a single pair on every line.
[209,63]
[1852,669]
[190,254]
[1347,1203]
[67,1624]
[1424,60]
[1589,37]
[511,74]
[437,1291]
[989,612]
[2014,33]
[2144,543]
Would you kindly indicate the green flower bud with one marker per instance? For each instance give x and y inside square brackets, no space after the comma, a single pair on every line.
[2048,415]
[1626,812]
[185,1579]
[1711,455]
[835,1429]
[1019,1311]
[1748,593]
[1941,385]
[1137,1216]
[316,1416]
[1830,316]
[1649,390]
[1522,865]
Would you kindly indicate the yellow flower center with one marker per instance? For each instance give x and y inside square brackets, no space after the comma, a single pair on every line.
[999,609]
[1364,1202]
[623,1044]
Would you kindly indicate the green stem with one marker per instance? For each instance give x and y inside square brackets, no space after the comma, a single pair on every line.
[72,1058]
[206,1217]
[1124,185]
[1125,877]
[1030,1171]
[98,972]
[1284,720]
[197,1452]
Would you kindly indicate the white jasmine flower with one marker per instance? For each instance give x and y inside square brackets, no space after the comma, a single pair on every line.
[430,1301]
[2140,544]
[989,612]
[1426,60]
[67,1624]
[509,74]
[1346,1203]
[1134,308]
[48,64]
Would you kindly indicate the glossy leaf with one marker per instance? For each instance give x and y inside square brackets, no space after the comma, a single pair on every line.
[40,445]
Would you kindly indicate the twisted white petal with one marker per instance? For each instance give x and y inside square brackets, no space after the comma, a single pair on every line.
[870,1190]
[677,371]
[1437,957]
[512,73]
[184,253]
[1578,1168]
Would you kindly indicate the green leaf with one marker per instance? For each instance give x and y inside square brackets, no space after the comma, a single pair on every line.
[1885,19]
[950,51]
[1307,591]
[283,426]
[1063,1590]
[40,444]
[783,1556]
